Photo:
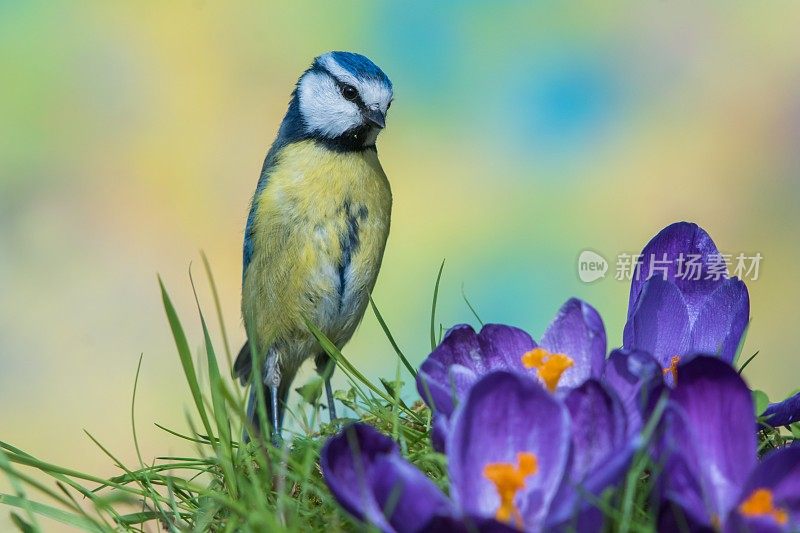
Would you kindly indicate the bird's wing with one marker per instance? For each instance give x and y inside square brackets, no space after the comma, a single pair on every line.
[269,165]
[247,254]
[243,364]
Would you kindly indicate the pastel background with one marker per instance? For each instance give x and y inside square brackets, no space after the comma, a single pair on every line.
[132,135]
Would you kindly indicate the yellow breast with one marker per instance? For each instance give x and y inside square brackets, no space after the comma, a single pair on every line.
[320,228]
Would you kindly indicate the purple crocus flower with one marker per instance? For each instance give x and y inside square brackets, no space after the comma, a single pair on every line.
[508,470]
[572,350]
[783,413]
[361,467]
[682,300]
[711,476]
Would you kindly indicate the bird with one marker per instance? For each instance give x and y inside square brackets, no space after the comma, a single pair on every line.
[316,230]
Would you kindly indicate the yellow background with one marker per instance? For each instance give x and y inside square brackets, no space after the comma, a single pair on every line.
[132,135]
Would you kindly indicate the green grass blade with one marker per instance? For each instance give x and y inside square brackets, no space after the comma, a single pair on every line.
[201,440]
[53,513]
[639,464]
[18,478]
[472,309]
[133,414]
[55,470]
[110,455]
[342,361]
[225,450]
[433,306]
[21,524]
[215,294]
[140,517]
[145,479]
[14,480]
[391,338]
[749,359]
[186,357]
[147,490]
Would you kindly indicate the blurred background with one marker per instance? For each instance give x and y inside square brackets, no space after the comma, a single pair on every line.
[132,136]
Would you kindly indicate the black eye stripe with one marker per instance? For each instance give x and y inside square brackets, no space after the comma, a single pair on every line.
[342,85]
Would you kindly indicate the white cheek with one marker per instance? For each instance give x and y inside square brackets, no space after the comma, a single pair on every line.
[323,108]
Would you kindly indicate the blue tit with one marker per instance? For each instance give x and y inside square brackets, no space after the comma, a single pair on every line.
[317,228]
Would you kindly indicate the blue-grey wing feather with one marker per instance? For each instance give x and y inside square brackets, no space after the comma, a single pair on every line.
[289,131]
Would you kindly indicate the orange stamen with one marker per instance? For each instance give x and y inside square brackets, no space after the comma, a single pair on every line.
[550,366]
[673,368]
[509,479]
[760,503]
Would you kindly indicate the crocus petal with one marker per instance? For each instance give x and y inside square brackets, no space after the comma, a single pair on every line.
[464,356]
[660,322]
[783,413]
[633,375]
[680,238]
[721,320]
[504,414]
[577,331]
[714,440]
[440,428]
[673,516]
[347,461]
[779,472]
[407,497]
[364,469]
[459,348]
[503,346]
[601,454]
[680,486]
[598,427]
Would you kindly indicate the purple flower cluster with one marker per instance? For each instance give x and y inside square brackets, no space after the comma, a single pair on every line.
[536,433]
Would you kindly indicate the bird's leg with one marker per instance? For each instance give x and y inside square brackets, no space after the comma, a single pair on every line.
[276,430]
[272,380]
[329,395]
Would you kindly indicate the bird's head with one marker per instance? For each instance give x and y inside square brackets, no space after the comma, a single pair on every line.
[343,99]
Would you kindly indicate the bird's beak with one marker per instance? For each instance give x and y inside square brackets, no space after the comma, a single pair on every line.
[375,117]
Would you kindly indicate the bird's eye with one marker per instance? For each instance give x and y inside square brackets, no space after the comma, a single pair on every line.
[349,92]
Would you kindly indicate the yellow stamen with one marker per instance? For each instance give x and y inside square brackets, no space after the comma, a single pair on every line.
[760,503]
[550,366]
[673,368]
[509,479]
